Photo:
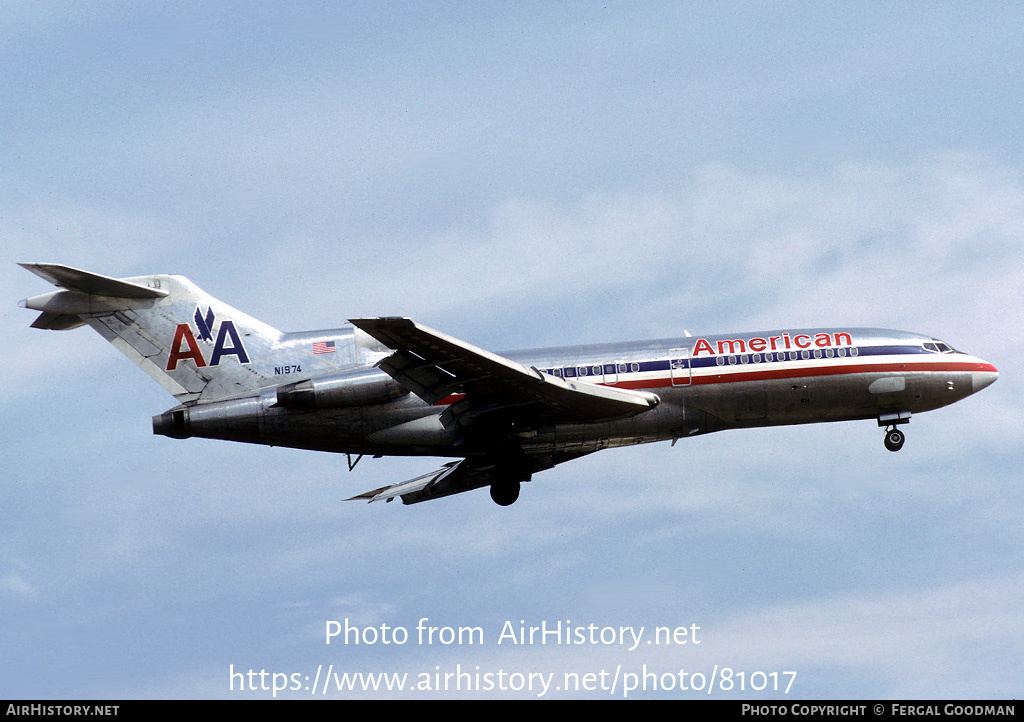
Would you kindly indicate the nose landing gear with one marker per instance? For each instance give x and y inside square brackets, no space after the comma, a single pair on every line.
[894,438]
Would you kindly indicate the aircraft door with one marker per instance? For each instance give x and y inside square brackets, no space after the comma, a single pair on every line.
[679,365]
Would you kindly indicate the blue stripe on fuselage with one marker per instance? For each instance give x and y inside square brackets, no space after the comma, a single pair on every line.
[664,365]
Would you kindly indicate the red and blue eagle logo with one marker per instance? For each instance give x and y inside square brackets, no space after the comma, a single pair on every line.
[185,347]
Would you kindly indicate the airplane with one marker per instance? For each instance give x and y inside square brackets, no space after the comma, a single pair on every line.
[389,386]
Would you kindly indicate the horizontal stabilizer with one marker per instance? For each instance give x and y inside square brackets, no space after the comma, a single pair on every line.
[94,284]
[57,321]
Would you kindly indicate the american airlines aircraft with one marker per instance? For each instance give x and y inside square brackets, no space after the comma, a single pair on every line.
[391,386]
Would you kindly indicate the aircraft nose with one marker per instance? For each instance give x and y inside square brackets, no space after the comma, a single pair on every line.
[983,375]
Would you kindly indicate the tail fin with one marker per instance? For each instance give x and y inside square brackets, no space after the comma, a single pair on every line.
[193,345]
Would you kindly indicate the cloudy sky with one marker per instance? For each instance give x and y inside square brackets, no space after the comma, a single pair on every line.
[516,175]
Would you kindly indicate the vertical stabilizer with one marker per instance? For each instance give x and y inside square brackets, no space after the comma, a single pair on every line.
[193,345]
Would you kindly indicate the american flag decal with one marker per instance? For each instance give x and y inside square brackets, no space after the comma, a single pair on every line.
[323,347]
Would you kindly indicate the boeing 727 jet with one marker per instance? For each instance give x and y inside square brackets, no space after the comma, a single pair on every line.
[391,386]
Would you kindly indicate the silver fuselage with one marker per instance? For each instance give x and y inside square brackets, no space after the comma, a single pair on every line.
[705,384]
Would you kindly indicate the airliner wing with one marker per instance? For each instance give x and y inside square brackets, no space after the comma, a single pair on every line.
[435,367]
[455,477]
[452,478]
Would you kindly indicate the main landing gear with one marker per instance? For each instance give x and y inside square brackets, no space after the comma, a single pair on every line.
[894,438]
[510,470]
[505,492]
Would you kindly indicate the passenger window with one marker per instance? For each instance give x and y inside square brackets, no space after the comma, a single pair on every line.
[635,367]
[720,361]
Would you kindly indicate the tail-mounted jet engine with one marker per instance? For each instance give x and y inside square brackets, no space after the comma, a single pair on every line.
[356,388]
[239,419]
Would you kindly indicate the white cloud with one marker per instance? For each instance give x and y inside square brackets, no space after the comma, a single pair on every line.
[930,246]
[15,584]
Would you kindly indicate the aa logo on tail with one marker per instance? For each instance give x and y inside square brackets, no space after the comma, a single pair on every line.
[184,346]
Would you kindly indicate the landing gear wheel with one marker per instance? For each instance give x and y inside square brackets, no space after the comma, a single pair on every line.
[505,493]
[894,439]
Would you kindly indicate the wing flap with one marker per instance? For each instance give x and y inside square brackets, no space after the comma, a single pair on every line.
[420,488]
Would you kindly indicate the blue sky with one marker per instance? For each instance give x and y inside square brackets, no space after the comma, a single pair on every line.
[516,175]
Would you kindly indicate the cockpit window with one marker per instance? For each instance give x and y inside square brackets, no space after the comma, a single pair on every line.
[939,347]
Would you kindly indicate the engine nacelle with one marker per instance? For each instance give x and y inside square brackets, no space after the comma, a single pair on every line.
[356,388]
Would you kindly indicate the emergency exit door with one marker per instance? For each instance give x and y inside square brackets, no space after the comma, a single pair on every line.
[679,365]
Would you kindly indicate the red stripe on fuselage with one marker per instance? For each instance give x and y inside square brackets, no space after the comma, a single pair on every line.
[804,371]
